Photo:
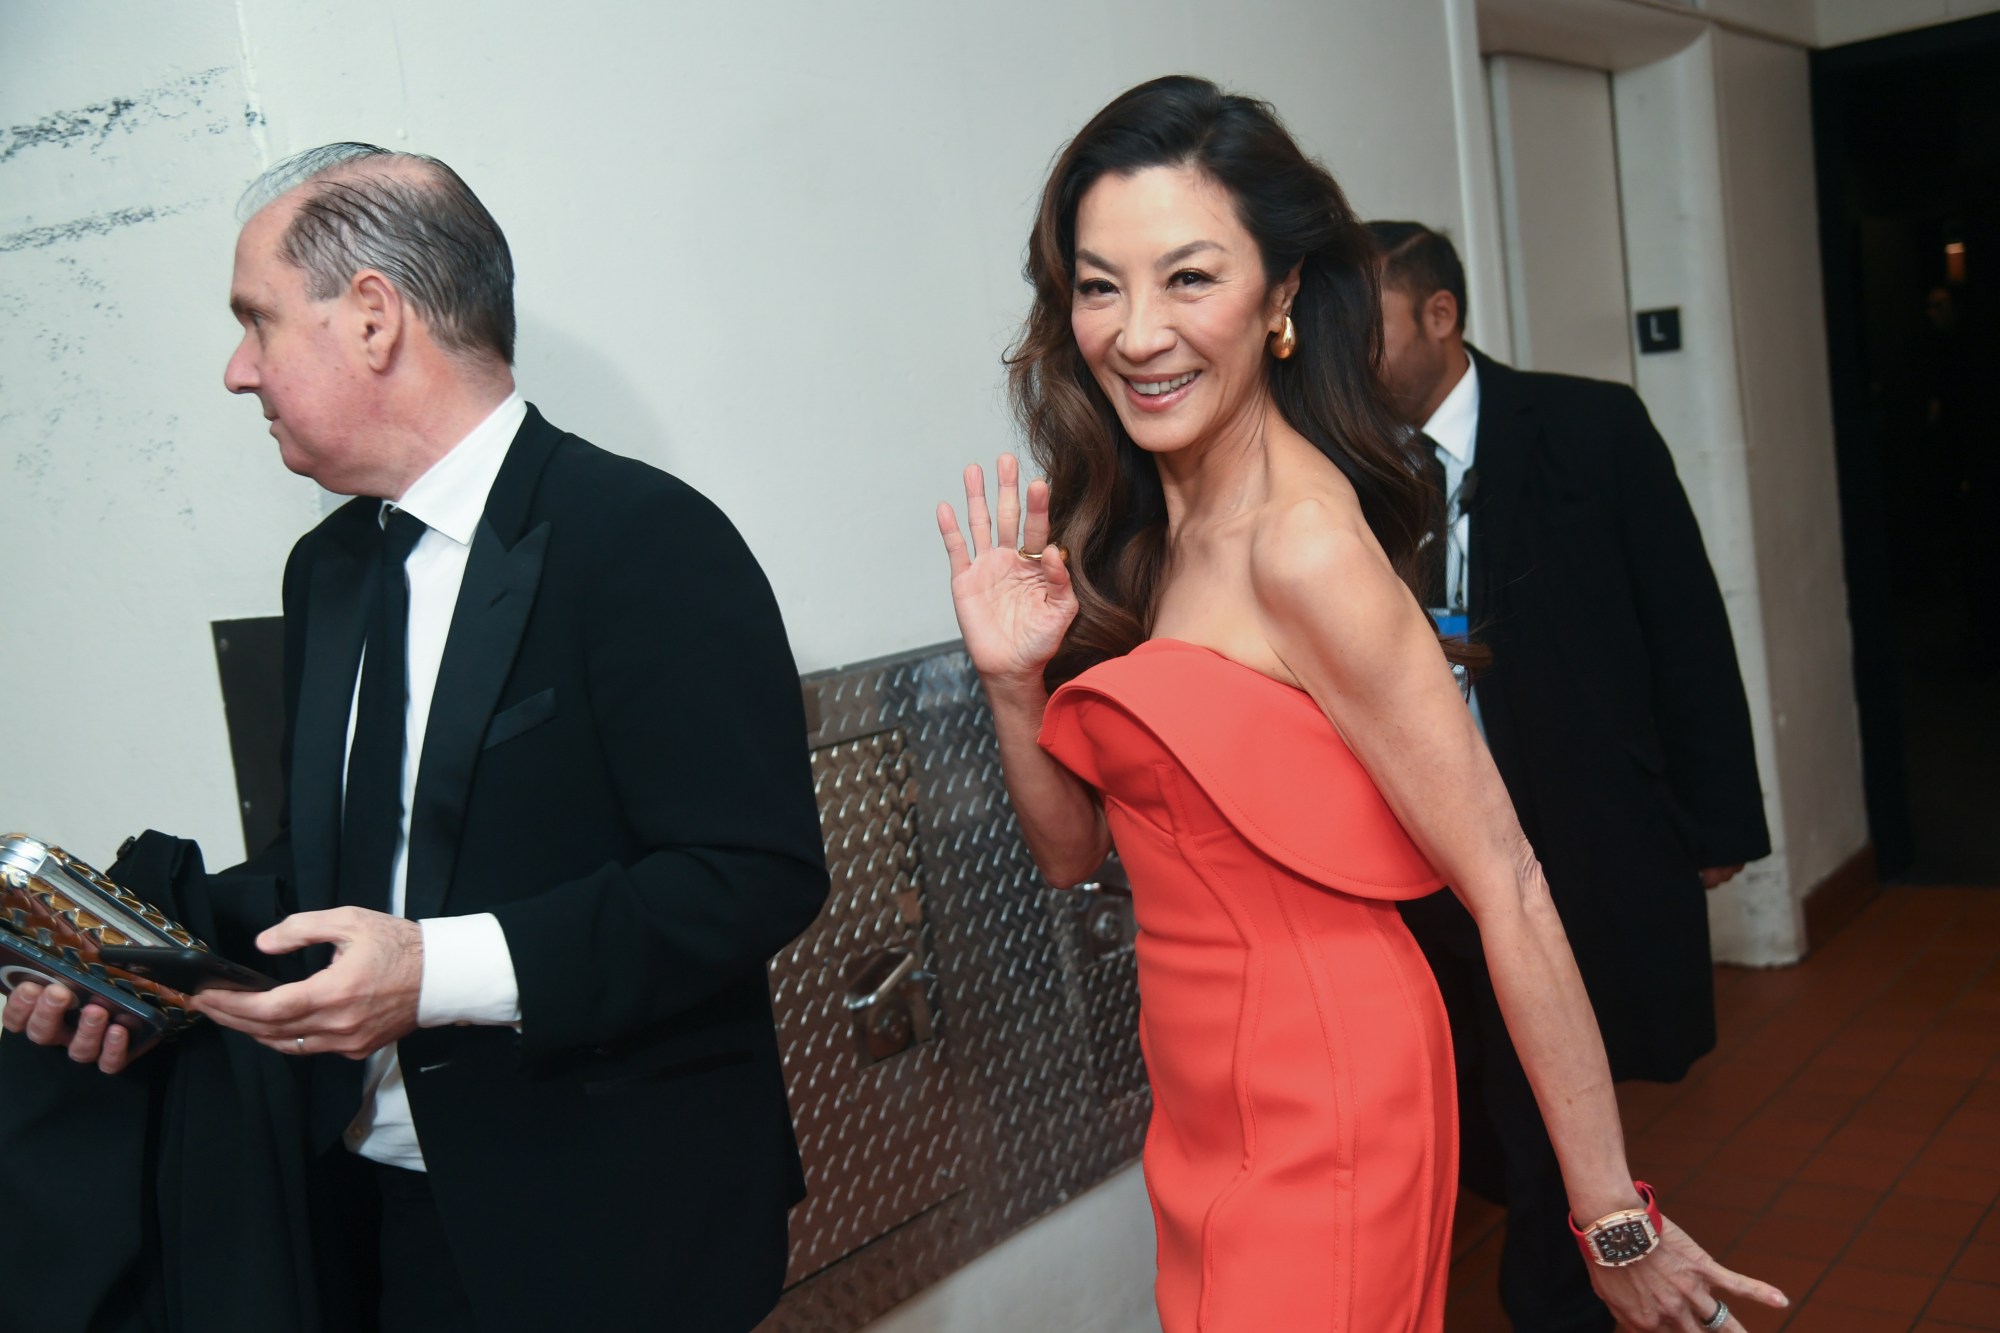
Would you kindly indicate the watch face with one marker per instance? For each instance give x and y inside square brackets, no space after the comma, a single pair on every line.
[1622,1242]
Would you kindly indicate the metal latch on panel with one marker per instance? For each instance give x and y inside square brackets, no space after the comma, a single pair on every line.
[890,1009]
[1107,923]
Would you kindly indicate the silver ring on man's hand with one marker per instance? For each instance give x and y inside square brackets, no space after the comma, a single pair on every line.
[1718,1319]
[302,1050]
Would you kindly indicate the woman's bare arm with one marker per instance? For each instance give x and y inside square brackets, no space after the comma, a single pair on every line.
[1013,611]
[1351,634]
[1060,817]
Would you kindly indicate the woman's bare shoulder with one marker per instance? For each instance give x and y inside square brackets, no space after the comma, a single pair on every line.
[1317,570]
[1312,528]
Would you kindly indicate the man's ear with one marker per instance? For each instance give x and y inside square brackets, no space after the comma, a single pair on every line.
[1440,315]
[382,316]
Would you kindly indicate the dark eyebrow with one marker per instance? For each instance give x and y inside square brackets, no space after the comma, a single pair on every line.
[1173,257]
[1166,261]
[241,308]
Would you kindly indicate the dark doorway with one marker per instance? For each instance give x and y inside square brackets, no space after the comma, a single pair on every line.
[1908,145]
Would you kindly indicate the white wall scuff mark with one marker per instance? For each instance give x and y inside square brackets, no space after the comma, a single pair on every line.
[98,224]
[253,107]
[94,126]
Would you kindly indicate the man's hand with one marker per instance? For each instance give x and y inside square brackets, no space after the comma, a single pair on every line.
[365,999]
[1716,876]
[40,1013]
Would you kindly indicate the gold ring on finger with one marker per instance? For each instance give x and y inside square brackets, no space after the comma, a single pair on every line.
[1026,554]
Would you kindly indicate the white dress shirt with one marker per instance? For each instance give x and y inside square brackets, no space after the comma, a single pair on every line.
[468,970]
[1454,427]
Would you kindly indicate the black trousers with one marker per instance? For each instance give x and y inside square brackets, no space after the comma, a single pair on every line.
[385,1265]
[1504,1151]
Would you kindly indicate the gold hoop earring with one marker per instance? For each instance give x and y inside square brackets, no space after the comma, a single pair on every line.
[1286,342]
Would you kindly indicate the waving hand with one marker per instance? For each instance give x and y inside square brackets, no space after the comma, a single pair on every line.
[1013,609]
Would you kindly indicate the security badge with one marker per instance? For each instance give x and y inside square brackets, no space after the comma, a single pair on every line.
[1451,624]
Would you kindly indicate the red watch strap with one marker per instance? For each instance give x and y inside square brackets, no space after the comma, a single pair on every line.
[1652,1205]
[1646,1195]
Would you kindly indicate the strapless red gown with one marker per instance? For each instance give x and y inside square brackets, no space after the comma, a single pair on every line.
[1302,1156]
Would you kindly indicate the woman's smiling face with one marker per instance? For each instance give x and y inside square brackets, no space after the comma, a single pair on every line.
[1172,310]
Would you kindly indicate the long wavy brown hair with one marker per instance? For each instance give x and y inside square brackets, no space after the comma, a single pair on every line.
[1106,504]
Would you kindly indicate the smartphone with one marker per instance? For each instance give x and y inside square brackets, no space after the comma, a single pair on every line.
[22,960]
[186,970]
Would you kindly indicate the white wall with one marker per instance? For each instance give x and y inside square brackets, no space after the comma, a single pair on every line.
[1069,1254]
[773,248]
[1480,238]
[1715,147]
[1676,234]
[1764,111]
[1565,249]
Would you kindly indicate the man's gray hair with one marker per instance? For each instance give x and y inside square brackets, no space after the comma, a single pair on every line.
[410,218]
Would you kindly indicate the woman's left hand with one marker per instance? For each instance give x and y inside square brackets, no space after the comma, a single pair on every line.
[1678,1286]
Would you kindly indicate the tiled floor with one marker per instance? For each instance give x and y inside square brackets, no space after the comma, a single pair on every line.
[1843,1140]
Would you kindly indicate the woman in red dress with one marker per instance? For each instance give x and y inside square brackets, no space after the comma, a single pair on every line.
[1249,701]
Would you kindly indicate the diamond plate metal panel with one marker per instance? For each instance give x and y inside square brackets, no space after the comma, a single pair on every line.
[1031,1088]
[879,1138]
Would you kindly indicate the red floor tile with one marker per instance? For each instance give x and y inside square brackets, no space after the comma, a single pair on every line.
[1743,1155]
[1945,1219]
[1864,1141]
[1902,1252]
[1973,1304]
[1940,1180]
[1716,1226]
[1730,1185]
[1921,1118]
[1778,1131]
[1793,1276]
[1799,1237]
[1879,1290]
[1836,1203]
[1979,1263]
[1827,1317]
[1838,1168]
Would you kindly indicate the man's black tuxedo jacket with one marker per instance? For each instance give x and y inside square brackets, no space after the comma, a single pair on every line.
[616,767]
[1614,708]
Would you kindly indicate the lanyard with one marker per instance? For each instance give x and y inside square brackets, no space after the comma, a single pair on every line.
[1455,553]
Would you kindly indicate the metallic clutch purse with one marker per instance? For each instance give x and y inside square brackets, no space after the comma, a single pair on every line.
[55,914]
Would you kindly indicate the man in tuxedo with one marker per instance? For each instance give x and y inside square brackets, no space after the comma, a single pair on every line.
[549,811]
[1613,708]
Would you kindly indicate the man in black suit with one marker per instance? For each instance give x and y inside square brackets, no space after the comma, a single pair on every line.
[549,805]
[1614,710]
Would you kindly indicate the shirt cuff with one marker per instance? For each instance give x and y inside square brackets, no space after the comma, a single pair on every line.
[468,973]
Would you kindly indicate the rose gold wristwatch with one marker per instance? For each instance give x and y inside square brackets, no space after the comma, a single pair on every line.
[1621,1238]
